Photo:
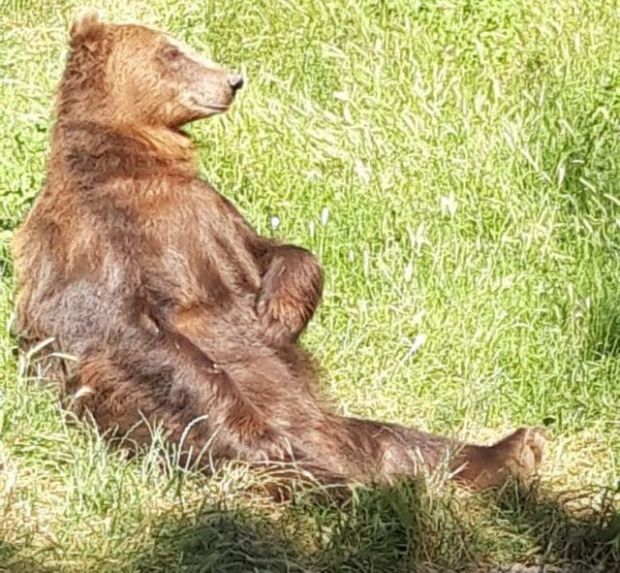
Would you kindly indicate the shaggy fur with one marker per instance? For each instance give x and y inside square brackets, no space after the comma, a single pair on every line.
[177,311]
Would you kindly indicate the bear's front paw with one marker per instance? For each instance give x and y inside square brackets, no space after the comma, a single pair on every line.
[278,326]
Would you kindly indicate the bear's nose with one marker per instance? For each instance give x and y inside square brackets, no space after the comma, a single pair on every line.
[235,81]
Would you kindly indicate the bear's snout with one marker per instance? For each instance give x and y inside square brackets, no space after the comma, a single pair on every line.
[235,81]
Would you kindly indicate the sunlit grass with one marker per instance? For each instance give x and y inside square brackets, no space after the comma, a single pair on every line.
[455,165]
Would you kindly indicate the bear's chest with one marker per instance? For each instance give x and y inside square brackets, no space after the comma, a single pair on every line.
[197,254]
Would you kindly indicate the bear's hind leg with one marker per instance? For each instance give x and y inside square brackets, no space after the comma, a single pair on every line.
[383,452]
[518,455]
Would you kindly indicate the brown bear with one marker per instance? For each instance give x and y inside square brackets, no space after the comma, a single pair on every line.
[177,313]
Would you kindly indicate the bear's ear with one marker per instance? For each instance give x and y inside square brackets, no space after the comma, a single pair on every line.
[86,26]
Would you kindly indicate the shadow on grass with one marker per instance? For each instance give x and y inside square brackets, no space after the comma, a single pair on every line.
[394,529]
[371,531]
[580,531]
[12,561]
[218,540]
[604,330]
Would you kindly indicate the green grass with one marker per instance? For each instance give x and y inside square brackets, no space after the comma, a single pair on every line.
[456,166]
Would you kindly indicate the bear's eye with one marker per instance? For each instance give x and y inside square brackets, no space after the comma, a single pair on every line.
[172,52]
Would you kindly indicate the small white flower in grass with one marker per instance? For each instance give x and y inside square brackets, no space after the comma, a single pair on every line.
[275,223]
[418,237]
[417,343]
[507,281]
[560,173]
[366,265]
[479,101]
[311,228]
[418,316]
[346,114]
[362,171]
[10,476]
[313,175]
[324,216]
[447,205]
[497,88]
[408,274]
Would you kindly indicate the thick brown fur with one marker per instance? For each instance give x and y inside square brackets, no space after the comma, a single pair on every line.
[178,313]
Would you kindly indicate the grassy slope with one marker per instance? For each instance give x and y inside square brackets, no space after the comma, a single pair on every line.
[455,164]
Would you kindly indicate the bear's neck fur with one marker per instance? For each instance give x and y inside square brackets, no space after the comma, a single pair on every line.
[91,152]
[94,138]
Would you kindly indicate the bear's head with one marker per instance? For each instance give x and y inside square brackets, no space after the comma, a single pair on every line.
[135,74]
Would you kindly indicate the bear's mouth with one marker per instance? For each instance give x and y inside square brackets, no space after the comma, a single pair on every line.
[208,107]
